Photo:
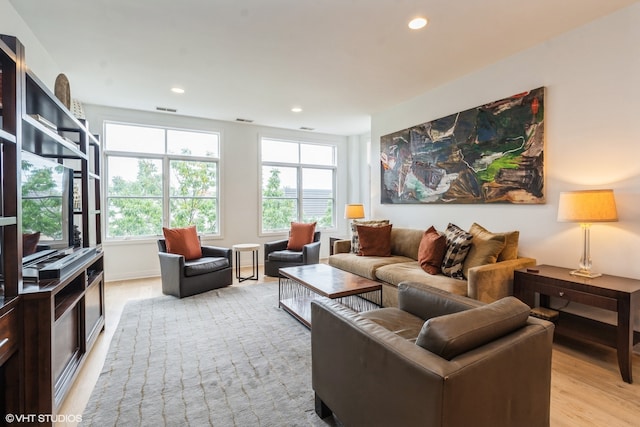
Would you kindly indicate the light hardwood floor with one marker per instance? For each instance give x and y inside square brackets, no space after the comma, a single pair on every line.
[586,387]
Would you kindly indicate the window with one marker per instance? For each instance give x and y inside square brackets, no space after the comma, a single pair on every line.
[298,184]
[160,177]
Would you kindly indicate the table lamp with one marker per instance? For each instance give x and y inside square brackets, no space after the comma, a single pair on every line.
[354,211]
[587,207]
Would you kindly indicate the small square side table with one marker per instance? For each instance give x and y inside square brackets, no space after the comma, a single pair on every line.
[247,247]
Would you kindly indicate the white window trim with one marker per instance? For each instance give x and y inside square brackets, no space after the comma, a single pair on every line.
[297,140]
[165,158]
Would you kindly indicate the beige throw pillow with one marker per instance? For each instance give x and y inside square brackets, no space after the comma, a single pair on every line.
[510,250]
[485,248]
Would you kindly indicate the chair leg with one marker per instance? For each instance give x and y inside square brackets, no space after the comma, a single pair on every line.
[322,410]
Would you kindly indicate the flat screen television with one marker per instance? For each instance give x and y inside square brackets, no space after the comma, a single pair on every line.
[47,202]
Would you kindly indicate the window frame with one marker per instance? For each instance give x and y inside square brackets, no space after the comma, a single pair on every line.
[165,160]
[300,167]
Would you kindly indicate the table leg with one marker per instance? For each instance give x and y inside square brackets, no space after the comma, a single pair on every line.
[625,340]
[524,294]
[237,264]
[255,264]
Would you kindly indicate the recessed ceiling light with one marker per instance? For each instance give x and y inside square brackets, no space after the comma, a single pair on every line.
[297,109]
[417,23]
[177,90]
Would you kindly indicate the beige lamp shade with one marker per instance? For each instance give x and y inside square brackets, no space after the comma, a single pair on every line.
[587,206]
[355,211]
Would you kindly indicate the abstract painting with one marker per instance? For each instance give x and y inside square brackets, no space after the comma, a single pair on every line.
[493,153]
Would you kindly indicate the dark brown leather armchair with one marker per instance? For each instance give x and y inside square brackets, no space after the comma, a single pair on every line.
[276,255]
[372,368]
[182,278]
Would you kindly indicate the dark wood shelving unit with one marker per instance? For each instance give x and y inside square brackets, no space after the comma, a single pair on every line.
[51,324]
[11,364]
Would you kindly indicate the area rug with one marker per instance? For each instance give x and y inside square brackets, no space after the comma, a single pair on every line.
[228,357]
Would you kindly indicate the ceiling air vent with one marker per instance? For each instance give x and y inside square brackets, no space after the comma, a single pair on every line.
[244,120]
[168,110]
[306,128]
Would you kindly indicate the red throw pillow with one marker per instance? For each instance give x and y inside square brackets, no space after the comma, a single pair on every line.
[375,241]
[30,243]
[431,251]
[301,234]
[183,241]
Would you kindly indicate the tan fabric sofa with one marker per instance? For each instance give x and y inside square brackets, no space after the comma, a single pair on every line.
[470,364]
[485,283]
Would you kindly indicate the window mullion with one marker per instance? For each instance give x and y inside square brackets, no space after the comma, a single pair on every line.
[165,192]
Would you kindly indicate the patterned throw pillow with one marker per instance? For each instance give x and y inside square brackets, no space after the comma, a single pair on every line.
[355,241]
[458,245]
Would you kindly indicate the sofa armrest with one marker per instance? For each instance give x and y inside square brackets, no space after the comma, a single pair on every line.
[490,282]
[311,253]
[341,247]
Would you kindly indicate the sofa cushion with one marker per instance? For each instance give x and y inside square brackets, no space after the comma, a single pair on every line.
[183,241]
[458,245]
[431,251]
[453,334]
[374,241]
[364,266]
[406,241]
[285,256]
[485,248]
[401,323]
[301,234]
[510,250]
[411,272]
[355,240]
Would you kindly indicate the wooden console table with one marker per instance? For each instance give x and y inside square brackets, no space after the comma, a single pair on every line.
[613,293]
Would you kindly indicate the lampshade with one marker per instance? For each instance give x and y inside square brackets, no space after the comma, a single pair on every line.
[354,211]
[587,206]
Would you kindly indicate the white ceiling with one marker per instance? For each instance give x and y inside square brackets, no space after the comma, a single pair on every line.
[340,60]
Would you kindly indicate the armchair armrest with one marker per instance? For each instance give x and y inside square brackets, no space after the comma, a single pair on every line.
[277,245]
[491,282]
[368,375]
[217,251]
[171,267]
[431,302]
[342,246]
[311,253]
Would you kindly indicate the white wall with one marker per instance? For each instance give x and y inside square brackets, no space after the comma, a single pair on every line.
[592,105]
[239,188]
[37,57]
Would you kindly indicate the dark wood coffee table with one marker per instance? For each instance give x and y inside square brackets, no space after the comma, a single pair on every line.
[298,286]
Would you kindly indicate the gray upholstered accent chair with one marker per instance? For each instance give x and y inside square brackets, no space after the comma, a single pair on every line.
[276,255]
[182,278]
[438,359]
